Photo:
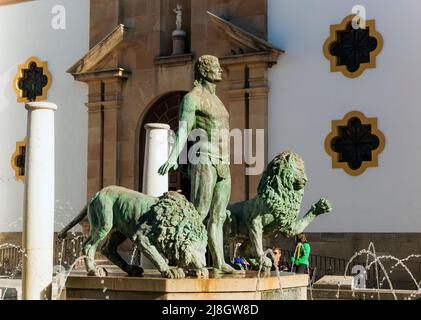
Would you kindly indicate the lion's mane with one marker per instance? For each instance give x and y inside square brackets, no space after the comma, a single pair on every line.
[276,190]
[175,226]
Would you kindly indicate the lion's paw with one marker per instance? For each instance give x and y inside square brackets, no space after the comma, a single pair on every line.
[174,273]
[199,273]
[135,271]
[324,206]
[204,273]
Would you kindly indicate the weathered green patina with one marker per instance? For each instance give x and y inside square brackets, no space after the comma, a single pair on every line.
[275,210]
[203,112]
[167,230]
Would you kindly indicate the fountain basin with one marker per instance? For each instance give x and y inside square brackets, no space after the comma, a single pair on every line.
[342,288]
[10,289]
[152,287]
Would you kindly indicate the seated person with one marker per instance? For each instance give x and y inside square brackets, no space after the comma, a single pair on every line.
[241,264]
[280,261]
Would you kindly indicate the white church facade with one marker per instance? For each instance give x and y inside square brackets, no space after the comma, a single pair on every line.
[306,96]
[48,35]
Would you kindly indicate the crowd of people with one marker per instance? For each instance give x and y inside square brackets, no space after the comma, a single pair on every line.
[298,263]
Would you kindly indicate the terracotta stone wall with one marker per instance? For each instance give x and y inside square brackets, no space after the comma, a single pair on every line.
[250,15]
[104,18]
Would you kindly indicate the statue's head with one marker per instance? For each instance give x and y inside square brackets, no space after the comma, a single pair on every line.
[207,68]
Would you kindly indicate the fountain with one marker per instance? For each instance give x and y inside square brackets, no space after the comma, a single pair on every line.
[169,230]
[372,261]
[271,286]
[278,274]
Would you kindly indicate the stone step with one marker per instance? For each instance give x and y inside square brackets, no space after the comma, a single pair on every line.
[359,294]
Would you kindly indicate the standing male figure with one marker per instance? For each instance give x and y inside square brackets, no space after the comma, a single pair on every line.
[210,176]
[179,16]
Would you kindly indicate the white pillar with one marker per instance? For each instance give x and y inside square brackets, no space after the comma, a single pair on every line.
[38,220]
[156,154]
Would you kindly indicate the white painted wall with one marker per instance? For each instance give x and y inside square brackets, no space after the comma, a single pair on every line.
[305,96]
[26,31]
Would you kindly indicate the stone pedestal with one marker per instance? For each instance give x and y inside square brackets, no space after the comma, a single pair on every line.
[38,220]
[179,42]
[156,154]
[152,287]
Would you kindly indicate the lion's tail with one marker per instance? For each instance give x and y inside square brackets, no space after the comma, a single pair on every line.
[62,234]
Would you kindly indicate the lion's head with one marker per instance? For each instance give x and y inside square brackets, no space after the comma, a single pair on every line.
[286,171]
[282,186]
[179,233]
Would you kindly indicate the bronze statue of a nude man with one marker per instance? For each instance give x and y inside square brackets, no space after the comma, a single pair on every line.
[210,176]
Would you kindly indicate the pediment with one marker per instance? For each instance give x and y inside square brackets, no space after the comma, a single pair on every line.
[243,37]
[102,55]
[108,62]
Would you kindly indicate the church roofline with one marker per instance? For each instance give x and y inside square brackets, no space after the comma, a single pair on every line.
[116,39]
[243,37]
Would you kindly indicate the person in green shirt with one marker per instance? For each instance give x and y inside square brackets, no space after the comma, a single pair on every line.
[301,255]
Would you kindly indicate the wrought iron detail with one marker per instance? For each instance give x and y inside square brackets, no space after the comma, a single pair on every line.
[33,81]
[352,49]
[18,160]
[355,143]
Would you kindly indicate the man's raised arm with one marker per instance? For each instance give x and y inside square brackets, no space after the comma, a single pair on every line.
[187,121]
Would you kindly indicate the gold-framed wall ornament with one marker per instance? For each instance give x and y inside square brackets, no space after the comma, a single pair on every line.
[32,81]
[18,160]
[353,47]
[355,143]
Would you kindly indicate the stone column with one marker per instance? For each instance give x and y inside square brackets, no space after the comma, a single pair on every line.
[248,101]
[111,140]
[95,133]
[111,135]
[258,116]
[38,220]
[238,120]
[156,153]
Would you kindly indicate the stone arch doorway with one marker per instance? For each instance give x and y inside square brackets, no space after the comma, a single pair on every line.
[165,110]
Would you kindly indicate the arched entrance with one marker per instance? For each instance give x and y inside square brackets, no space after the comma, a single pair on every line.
[166,110]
